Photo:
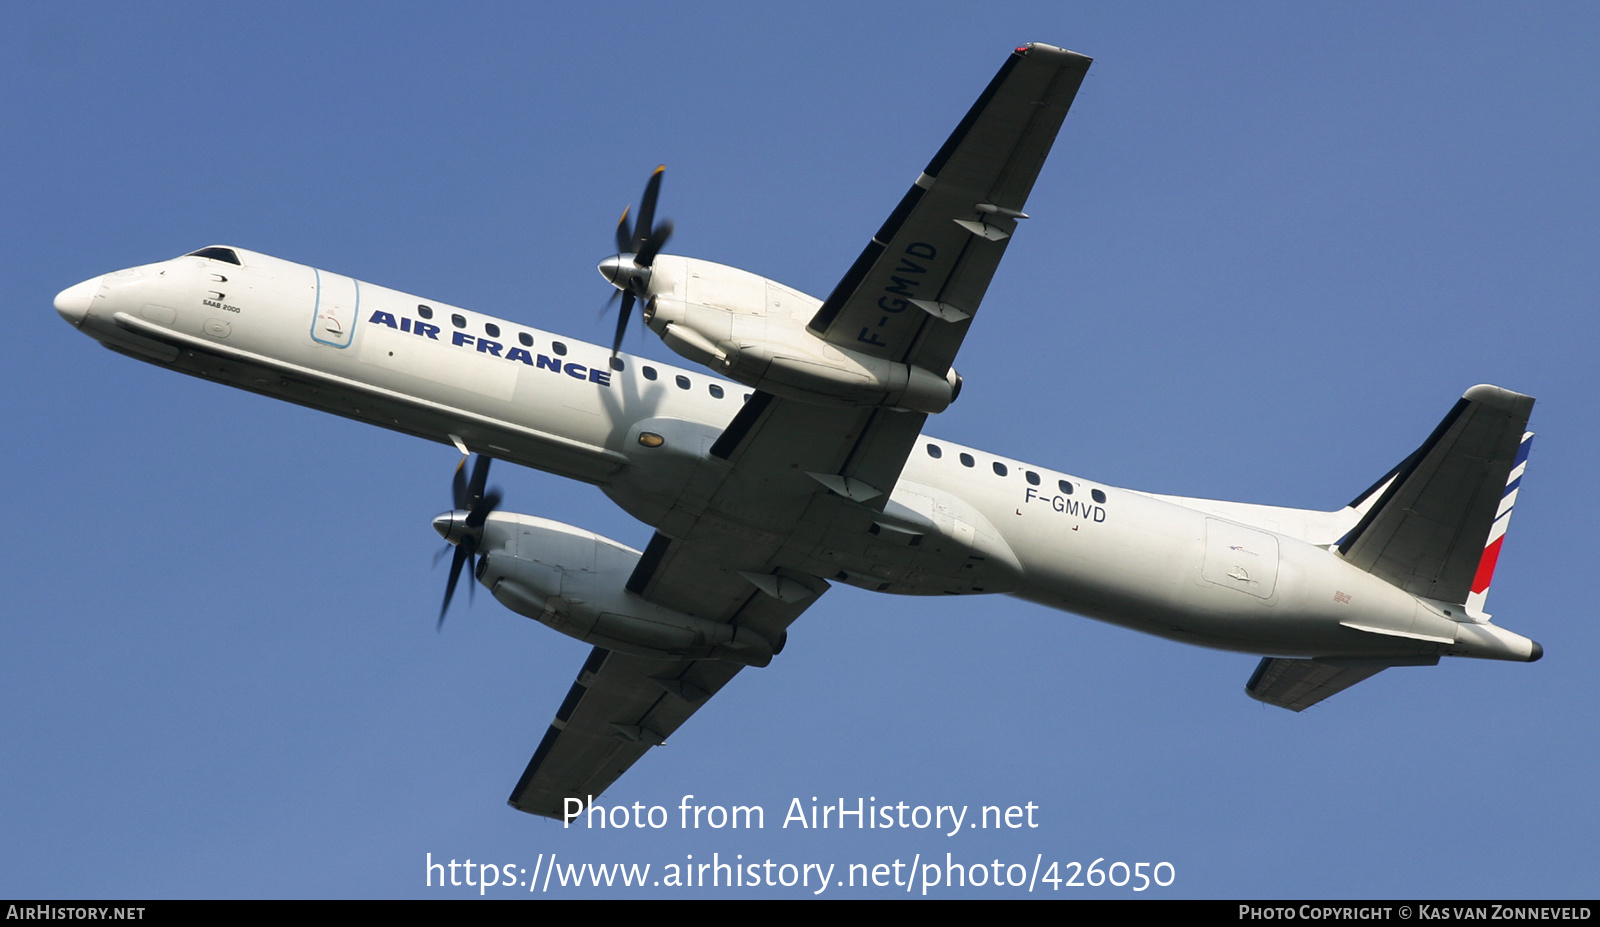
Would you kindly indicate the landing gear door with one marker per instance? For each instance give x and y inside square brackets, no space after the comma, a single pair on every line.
[336,306]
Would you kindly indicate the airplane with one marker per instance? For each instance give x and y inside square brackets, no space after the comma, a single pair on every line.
[792,456]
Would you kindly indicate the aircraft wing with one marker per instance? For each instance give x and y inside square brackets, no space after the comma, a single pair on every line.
[727,552]
[911,295]
[787,479]
[587,747]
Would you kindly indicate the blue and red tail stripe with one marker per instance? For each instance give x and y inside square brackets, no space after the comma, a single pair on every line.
[1497,531]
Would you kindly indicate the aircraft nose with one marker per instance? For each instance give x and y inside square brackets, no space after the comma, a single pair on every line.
[73,302]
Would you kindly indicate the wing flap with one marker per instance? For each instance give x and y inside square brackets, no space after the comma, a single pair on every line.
[689,577]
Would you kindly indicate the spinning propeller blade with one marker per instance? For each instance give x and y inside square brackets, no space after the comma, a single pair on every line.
[622,322]
[463,526]
[637,246]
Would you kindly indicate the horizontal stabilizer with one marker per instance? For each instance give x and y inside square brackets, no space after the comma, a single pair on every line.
[1299,684]
[1427,531]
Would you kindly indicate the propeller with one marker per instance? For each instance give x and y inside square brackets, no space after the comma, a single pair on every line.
[637,246]
[463,526]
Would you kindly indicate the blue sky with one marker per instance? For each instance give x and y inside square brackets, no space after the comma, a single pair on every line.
[1272,246]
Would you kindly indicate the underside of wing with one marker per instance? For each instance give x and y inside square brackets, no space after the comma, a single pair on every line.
[754,510]
[911,295]
[619,707]
[622,704]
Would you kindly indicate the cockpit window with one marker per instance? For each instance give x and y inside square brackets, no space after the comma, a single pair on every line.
[217,254]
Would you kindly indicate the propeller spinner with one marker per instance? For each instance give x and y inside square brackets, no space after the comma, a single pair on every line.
[463,527]
[629,269]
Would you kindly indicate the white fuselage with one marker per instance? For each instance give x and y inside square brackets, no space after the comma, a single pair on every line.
[1234,576]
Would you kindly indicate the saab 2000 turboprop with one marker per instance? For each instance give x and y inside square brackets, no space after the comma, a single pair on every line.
[811,467]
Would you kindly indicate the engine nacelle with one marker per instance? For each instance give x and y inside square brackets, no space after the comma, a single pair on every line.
[753,330]
[574,581]
[783,357]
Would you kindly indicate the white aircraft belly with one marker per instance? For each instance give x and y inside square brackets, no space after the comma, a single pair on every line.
[1170,570]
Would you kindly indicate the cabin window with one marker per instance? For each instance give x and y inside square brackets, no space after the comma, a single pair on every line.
[616,363]
[967,461]
[458,320]
[217,254]
[649,372]
[1033,478]
[1097,495]
[425,311]
[683,382]
[558,347]
[525,338]
[1066,487]
[935,451]
[491,329]
[999,468]
[716,391]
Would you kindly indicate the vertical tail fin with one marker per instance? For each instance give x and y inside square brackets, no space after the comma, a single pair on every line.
[1435,527]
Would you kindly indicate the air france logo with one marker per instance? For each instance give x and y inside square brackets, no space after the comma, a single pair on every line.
[493,348]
